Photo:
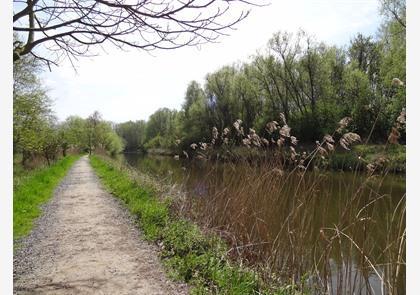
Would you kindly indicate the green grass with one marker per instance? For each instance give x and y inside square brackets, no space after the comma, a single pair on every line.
[188,254]
[348,160]
[33,188]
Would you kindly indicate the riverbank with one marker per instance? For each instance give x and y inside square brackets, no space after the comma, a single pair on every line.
[391,157]
[160,152]
[290,222]
[197,258]
[33,188]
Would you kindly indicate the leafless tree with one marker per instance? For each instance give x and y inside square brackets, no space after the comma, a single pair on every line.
[69,28]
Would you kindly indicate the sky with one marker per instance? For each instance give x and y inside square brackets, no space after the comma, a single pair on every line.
[132,85]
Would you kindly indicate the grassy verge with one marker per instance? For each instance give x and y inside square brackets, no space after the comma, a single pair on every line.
[348,160]
[31,189]
[189,254]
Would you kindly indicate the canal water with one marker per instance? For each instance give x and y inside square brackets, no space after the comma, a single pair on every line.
[343,231]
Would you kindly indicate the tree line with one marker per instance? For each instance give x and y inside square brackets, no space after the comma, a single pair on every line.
[68,30]
[37,131]
[313,84]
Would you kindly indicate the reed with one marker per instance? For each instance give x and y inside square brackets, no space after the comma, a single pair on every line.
[282,214]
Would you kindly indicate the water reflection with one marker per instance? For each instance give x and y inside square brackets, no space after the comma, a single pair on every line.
[310,235]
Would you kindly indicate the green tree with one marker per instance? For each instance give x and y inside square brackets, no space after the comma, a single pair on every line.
[219,89]
[161,129]
[31,110]
[246,92]
[194,119]
[102,136]
[393,47]
[73,134]
[133,134]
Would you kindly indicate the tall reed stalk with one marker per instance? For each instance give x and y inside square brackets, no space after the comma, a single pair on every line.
[299,222]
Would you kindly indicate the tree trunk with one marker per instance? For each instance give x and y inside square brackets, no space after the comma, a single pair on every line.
[25,157]
[47,157]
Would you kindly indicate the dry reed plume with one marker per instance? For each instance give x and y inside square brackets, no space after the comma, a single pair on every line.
[299,226]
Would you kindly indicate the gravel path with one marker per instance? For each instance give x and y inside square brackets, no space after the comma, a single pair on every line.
[86,242]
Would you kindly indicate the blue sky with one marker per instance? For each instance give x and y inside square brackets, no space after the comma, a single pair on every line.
[132,85]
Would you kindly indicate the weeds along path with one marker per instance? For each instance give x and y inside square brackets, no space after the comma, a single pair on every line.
[86,242]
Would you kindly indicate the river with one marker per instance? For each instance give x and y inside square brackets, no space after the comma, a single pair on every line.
[343,231]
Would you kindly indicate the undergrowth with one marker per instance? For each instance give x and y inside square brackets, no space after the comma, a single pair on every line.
[361,154]
[188,254]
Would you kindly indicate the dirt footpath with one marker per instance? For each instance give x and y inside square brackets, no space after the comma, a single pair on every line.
[86,242]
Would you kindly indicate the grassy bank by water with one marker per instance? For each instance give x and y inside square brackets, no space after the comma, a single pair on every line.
[392,157]
[189,255]
[33,188]
[360,155]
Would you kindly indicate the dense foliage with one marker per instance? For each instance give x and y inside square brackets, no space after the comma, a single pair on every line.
[313,84]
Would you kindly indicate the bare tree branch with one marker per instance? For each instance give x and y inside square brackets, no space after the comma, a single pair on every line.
[395,9]
[69,28]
